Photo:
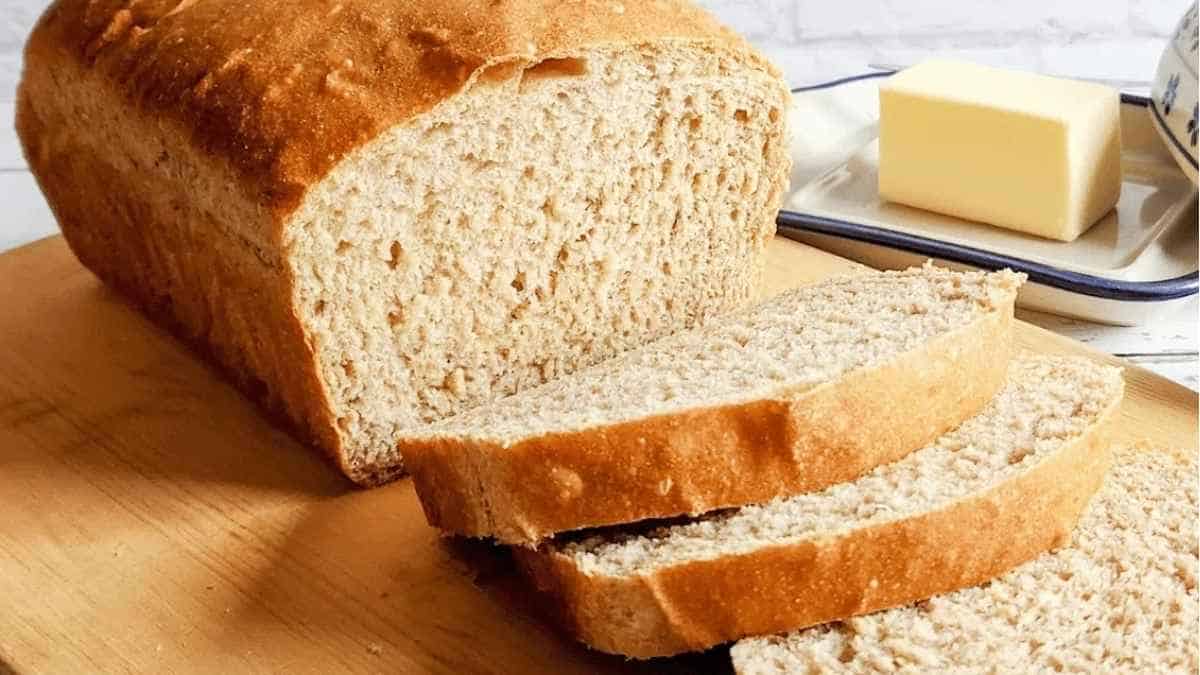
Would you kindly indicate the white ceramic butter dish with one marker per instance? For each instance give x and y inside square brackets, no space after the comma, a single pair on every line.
[1138,262]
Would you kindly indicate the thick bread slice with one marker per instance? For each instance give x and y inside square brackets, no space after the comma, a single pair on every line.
[377,213]
[1121,598]
[1007,485]
[811,388]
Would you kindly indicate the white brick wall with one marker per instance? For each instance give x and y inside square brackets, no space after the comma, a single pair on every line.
[814,40]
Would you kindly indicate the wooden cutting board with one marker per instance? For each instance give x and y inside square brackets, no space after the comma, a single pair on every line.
[151,521]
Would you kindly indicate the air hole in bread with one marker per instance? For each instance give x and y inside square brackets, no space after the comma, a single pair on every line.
[693,124]
[668,168]
[1018,454]
[343,246]
[741,116]
[437,129]
[319,308]
[722,177]
[500,72]
[773,115]
[395,317]
[528,172]
[348,368]
[659,134]
[455,382]
[395,254]
[564,67]
[847,653]
[518,282]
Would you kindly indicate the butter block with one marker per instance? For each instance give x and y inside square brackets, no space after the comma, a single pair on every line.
[1021,151]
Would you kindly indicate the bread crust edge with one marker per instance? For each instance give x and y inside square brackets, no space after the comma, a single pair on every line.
[700,604]
[708,458]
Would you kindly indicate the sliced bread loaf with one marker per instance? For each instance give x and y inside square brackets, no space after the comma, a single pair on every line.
[377,213]
[1007,485]
[1121,598]
[813,387]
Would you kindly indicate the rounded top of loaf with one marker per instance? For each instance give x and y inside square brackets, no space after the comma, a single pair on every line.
[283,89]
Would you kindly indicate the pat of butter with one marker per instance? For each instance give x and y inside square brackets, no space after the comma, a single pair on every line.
[1021,151]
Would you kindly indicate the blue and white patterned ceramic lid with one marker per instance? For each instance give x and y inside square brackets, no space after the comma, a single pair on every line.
[1176,101]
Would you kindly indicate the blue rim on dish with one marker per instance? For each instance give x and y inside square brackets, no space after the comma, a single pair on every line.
[1162,123]
[790,223]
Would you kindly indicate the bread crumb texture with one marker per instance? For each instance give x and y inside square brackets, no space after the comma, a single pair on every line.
[780,348]
[531,228]
[1046,403]
[1122,598]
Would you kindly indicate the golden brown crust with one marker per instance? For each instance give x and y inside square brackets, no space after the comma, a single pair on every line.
[772,590]
[283,91]
[704,459]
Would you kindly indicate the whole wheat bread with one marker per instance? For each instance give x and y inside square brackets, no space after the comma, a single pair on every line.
[377,213]
[1121,598]
[1004,487]
[813,387]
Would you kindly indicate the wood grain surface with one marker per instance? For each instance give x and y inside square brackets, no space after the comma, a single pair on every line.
[152,521]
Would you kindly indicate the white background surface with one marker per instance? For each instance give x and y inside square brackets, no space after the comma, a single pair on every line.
[814,41]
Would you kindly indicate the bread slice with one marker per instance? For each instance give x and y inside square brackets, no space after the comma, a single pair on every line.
[1005,486]
[1121,598]
[377,213]
[813,387]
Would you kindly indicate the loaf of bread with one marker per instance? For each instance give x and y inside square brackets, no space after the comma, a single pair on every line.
[999,490]
[1121,598]
[810,388]
[378,213]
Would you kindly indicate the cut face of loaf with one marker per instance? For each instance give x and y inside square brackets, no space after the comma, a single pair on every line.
[1121,598]
[532,227]
[381,213]
[807,389]
[1002,488]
